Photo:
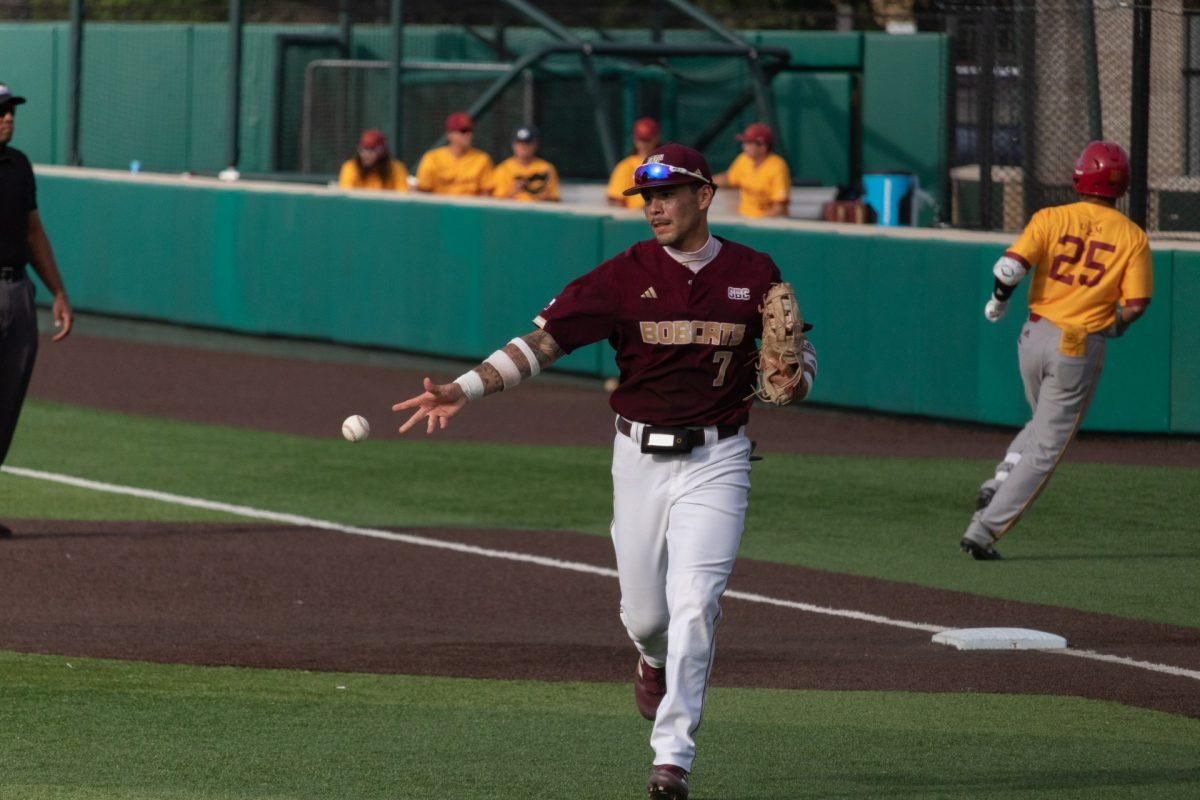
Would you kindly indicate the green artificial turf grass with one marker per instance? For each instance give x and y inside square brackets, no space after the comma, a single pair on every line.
[1104,538]
[81,728]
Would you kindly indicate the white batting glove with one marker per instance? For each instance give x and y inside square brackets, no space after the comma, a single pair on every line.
[995,309]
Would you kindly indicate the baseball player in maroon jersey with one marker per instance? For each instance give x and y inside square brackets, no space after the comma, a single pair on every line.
[682,312]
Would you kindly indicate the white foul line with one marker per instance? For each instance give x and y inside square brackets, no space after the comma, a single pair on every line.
[573,566]
[305,522]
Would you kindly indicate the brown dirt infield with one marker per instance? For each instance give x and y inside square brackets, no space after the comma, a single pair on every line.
[256,595]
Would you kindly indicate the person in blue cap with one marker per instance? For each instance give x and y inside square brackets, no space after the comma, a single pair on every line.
[524,176]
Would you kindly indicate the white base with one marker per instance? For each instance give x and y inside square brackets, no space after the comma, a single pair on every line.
[1000,639]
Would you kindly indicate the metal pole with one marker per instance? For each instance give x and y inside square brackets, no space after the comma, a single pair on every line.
[985,88]
[1091,66]
[528,95]
[1139,114]
[345,23]
[762,93]
[234,92]
[74,78]
[396,87]
[603,125]
[1031,186]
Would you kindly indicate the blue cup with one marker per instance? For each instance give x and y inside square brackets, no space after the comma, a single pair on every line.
[884,192]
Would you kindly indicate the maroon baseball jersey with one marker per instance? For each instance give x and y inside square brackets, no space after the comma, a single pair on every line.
[685,341]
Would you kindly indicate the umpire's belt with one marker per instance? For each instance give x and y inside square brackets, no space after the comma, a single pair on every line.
[12,274]
[662,439]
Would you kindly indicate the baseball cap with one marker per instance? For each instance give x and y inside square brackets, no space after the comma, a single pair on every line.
[459,121]
[670,165]
[372,139]
[646,129]
[8,98]
[526,133]
[757,132]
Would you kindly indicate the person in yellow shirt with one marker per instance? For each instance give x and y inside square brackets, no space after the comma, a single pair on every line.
[373,166]
[761,175]
[457,167]
[1092,278]
[646,137]
[524,176]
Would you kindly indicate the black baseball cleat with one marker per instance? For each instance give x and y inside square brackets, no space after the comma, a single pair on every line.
[986,493]
[5,532]
[979,552]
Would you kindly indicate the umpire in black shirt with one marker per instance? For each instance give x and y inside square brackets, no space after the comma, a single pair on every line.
[22,241]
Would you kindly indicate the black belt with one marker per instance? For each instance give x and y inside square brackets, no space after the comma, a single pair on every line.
[695,435]
[12,274]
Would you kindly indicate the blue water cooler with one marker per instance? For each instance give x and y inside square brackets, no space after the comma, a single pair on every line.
[886,192]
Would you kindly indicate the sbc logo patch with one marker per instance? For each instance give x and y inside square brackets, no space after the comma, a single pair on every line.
[739,293]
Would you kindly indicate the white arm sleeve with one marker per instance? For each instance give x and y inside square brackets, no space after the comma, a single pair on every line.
[1009,271]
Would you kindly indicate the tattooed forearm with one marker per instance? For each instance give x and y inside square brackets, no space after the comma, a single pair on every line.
[544,347]
[492,382]
[545,350]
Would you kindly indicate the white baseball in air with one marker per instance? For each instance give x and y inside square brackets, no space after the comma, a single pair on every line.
[356,428]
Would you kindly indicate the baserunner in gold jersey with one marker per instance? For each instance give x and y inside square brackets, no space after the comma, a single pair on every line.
[1091,279]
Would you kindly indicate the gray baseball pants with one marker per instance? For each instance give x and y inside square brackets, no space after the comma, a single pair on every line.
[1058,388]
[18,350]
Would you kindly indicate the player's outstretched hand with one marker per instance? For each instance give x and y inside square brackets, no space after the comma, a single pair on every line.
[436,405]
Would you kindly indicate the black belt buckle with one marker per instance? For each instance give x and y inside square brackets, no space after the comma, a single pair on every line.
[657,439]
[12,274]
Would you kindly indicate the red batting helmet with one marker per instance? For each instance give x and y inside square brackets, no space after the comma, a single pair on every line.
[1102,169]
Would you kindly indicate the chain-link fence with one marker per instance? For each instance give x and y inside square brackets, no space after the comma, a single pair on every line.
[1036,81]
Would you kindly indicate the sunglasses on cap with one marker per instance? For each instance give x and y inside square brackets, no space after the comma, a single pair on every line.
[657,171]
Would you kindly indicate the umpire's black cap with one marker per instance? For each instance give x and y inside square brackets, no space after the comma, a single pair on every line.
[7,98]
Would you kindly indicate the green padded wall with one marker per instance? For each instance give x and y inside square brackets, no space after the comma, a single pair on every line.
[1183,304]
[813,111]
[32,62]
[899,321]
[904,107]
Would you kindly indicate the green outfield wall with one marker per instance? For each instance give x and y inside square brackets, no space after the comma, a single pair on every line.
[898,314]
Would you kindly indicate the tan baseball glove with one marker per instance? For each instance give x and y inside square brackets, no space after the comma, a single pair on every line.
[782,345]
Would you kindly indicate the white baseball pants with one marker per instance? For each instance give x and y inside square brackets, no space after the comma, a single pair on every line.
[677,523]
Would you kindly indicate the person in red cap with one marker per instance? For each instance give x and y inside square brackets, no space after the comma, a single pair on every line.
[761,175]
[373,166]
[456,167]
[681,309]
[1092,277]
[646,137]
